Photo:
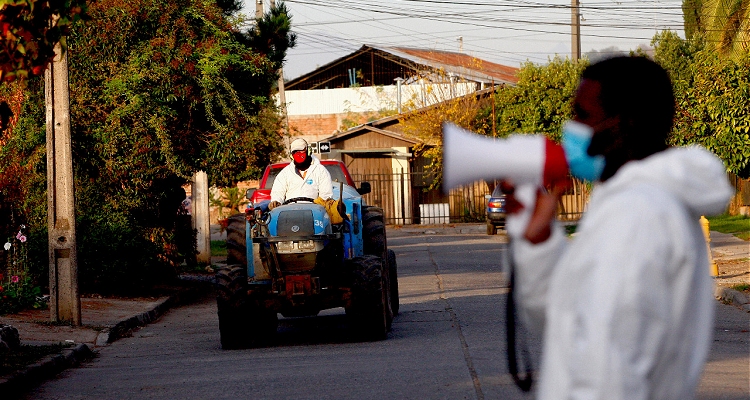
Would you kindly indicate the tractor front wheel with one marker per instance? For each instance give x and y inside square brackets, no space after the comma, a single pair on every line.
[242,322]
[231,301]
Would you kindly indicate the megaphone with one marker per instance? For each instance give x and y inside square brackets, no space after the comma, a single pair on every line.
[523,159]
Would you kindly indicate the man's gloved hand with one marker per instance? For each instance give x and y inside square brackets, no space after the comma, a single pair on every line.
[334,208]
[273,205]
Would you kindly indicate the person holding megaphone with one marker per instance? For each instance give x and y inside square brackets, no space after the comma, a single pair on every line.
[625,307]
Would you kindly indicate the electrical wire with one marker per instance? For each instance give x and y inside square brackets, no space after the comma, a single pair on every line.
[324,27]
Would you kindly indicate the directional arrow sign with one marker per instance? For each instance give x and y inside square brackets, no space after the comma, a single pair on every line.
[324,147]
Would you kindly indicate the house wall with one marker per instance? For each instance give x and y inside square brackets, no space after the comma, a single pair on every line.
[314,128]
[371,98]
[316,114]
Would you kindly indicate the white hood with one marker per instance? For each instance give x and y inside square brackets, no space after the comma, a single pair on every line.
[693,174]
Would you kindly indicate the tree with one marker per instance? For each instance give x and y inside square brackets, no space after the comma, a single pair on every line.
[425,121]
[539,103]
[159,90]
[725,25]
[711,93]
[27,39]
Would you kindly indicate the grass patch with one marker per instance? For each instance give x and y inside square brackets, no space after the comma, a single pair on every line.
[218,248]
[27,355]
[737,225]
[741,287]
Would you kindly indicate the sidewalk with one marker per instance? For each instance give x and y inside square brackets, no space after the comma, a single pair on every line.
[106,320]
[731,254]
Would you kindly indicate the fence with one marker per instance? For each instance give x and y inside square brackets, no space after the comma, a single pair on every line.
[573,202]
[406,198]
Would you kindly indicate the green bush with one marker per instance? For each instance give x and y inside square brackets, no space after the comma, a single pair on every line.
[158,90]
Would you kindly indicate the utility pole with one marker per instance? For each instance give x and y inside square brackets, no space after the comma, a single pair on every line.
[258,9]
[65,304]
[575,31]
[494,90]
[201,216]
[399,81]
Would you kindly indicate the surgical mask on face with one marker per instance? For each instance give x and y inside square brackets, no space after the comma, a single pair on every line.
[576,138]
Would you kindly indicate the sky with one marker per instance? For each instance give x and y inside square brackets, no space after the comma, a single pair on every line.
[507,32]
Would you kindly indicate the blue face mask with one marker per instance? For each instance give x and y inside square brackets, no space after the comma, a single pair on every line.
[576,138]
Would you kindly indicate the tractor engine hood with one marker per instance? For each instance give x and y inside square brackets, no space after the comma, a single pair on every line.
[299,219]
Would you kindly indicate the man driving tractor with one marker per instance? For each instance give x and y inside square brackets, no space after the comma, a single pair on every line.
[305,177]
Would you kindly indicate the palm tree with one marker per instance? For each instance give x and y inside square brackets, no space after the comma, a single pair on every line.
[725,25]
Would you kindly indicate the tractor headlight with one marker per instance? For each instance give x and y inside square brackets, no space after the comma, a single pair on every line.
[284,246]
[306,245]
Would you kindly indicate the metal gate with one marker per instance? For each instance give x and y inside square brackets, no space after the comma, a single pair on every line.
[406,198]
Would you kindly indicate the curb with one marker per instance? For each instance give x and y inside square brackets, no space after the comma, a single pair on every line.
[123,328]
[733,297]
[16,384]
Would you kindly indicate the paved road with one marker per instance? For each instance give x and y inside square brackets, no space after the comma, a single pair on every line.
[447,343]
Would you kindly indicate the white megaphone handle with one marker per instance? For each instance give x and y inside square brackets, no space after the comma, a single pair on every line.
[517,223]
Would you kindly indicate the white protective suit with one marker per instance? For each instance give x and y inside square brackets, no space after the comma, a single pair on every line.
[316,183]
[626,307]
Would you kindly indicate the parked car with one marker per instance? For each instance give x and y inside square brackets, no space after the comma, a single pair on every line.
[495,211]
[336,168]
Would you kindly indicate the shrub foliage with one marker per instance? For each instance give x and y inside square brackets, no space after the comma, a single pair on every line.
[158,90]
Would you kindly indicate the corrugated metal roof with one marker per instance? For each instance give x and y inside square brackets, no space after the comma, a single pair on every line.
[464,65]
[369,128]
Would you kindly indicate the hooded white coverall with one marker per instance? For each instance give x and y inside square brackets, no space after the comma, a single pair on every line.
[626,307]
[315,182]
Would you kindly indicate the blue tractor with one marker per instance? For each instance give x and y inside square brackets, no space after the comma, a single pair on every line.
[293,261]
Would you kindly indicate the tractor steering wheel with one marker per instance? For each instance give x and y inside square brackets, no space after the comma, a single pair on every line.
[298,199]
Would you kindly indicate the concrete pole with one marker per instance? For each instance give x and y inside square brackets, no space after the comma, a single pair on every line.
[258,8]
[201,216]
[575,31]
[399,81]
[65,304]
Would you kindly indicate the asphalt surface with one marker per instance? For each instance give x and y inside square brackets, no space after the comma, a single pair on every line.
[727,374]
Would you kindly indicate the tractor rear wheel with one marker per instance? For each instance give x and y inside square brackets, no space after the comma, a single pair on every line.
[393,278]
[375,243]
[236,245]
[373,235]
[368,310]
